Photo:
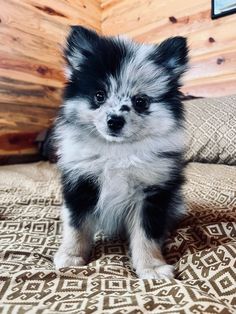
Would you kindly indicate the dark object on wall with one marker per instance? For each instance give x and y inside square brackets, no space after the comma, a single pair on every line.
[221,8]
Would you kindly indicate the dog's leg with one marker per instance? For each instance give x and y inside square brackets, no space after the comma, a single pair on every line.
[150,225]
[76,243]
[147,257]
[78,224]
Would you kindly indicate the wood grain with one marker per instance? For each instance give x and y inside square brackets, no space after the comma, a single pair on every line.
[32,33]
[212,42]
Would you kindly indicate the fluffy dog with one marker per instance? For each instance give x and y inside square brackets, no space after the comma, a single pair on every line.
[120,145]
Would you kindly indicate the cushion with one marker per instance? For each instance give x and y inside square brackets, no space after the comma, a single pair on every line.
[211,130]
[202,250]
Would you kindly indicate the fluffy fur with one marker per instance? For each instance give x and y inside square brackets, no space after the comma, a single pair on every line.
[120,145]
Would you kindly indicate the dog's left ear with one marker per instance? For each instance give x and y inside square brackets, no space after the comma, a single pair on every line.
[173,55]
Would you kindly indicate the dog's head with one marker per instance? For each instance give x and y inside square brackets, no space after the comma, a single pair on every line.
[122,91]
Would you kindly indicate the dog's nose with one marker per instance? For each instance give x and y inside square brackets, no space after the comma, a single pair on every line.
[115,123]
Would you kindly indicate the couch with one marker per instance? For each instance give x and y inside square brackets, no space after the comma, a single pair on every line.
[202,248]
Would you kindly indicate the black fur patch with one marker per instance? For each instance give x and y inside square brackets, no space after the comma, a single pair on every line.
[80,199]
[159,208]
[172,54]
[125,108]
[174,155]
[171,100]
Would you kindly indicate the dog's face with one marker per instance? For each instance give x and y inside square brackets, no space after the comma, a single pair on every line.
[122,91]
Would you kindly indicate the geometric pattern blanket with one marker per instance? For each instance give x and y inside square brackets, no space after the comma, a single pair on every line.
[202,250]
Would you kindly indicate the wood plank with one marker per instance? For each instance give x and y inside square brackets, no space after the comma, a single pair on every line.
[29,70]
[64,12]
[135,15]
[219,86]
[25,44]
[209,66]
[27,118]
[24,93]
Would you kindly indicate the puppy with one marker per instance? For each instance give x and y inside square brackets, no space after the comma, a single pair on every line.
[120,146]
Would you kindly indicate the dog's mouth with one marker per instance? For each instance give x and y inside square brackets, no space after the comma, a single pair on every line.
[112,136]
[109,135]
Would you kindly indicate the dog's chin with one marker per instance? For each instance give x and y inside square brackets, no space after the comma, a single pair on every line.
[114,138]
[109,137]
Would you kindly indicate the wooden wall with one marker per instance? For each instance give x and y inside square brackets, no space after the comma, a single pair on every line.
[31,34]
[212,42]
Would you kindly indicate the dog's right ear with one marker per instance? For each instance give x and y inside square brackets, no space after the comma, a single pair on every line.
[79,46]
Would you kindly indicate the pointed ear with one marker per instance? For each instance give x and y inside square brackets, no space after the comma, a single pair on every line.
[173,55]
[80,43]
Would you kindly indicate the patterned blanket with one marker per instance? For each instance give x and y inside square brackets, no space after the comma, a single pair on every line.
[202,249]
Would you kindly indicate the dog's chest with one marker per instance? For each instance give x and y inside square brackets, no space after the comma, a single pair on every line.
[117,169]
[120,192]
[122,175]
[115,173]
[123,171]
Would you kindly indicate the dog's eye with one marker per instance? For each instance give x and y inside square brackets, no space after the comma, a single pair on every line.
[140,103]
[100,97]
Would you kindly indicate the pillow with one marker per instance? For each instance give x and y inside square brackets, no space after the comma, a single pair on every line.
[211,130]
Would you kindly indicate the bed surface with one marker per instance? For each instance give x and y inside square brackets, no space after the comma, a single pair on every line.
[203,250]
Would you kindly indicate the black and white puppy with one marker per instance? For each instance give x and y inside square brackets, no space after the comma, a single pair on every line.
[120,146]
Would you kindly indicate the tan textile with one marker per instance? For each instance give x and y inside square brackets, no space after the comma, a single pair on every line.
[203,250]
[211,130]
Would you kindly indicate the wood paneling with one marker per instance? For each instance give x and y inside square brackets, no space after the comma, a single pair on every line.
[32,33]
[212,43]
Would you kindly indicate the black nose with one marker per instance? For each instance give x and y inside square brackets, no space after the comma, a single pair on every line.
[115,123]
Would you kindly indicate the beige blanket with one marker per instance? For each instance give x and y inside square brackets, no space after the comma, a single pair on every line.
[203,250]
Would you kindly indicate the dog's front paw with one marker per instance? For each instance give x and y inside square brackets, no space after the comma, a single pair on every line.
[63,259]
[157,272]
